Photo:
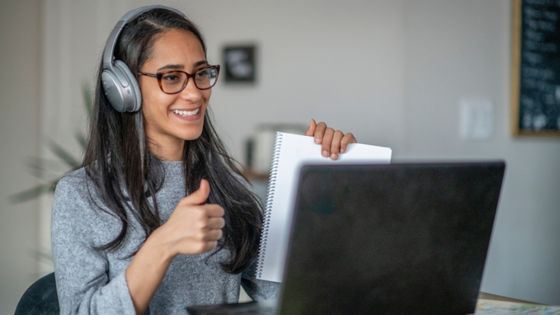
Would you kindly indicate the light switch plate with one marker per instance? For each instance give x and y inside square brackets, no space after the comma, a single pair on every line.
[476,119]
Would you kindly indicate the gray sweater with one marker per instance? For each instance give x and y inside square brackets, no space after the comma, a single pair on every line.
[91,281]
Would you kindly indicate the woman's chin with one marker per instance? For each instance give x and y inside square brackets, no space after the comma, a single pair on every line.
[190,135]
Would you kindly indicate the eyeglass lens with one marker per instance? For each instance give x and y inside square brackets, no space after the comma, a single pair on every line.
[175,81]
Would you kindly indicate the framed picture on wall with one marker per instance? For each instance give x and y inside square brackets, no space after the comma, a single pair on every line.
[535,88]
[240,64]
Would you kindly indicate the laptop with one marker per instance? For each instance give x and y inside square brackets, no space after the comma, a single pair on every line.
[402,238]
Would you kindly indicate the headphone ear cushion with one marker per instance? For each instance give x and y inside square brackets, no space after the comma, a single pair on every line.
[121,88]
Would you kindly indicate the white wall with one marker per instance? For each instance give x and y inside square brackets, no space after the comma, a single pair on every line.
[19,120]
[393,72]
[461,49]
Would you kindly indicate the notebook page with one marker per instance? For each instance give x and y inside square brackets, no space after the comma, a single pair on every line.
[290,152]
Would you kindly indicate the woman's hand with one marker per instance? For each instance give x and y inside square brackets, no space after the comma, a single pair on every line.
[194,226]
[333,141]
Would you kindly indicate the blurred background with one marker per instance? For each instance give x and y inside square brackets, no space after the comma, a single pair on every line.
[430,79]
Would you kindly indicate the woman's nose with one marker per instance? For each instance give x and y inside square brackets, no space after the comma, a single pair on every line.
[191,92]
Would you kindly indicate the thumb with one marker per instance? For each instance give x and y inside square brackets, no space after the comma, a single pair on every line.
[311,129]
[198,196]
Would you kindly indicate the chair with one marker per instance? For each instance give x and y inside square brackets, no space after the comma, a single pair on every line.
[40,298]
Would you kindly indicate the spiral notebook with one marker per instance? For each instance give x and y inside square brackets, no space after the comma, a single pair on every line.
[290,152]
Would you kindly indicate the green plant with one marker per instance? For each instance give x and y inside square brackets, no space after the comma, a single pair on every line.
[39,167]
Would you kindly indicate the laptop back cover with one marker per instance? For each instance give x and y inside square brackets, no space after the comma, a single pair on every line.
[390,239]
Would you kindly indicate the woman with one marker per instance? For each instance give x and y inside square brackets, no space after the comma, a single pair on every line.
[125,238]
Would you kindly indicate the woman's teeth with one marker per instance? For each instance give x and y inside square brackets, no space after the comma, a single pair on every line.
[186,113]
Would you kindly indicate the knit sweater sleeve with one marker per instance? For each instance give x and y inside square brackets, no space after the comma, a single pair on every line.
[81,271]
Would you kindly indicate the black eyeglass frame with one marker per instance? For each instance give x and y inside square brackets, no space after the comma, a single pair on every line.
[159,75]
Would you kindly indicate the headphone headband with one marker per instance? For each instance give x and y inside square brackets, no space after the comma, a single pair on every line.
[123,21]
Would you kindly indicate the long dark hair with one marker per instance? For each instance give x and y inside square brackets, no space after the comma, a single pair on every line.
[122,171]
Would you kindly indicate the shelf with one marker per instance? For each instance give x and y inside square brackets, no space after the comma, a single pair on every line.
[252,175]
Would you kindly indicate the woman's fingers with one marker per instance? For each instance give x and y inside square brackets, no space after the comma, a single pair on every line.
[346,139]
[336,148]
[326,142]
[213,235]
[216,223]
[311,128]
[319,132]
[333,141]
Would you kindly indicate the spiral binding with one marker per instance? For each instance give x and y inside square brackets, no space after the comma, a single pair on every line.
[269,202]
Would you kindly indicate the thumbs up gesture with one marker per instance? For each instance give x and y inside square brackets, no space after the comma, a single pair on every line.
[195,226]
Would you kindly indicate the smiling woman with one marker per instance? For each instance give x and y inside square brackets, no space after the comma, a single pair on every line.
[159,216]
[178,113]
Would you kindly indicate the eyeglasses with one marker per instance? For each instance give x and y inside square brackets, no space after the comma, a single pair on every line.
[175,81]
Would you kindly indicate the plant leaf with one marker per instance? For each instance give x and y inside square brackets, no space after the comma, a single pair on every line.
[64,155]
[81,140]
[45,169]
[88,99]
[34,192]
[35,166]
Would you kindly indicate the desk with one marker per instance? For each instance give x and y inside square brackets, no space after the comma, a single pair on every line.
[488,304]
[494,297]
[491,304]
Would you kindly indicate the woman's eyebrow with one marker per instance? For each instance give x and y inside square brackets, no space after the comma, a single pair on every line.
[180,67]
[171,67]
[200,63]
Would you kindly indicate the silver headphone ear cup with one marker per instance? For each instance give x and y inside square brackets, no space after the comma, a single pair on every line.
[132,100]
[112,90]
[121,88]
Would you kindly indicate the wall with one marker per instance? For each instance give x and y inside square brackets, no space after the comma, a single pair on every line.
[461,49]
[19,141]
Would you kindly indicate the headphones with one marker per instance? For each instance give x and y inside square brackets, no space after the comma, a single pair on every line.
[119,84]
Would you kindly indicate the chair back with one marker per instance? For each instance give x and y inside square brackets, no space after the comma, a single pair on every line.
[40,298]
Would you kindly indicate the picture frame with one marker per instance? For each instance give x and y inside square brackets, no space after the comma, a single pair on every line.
[535,72]
[240,64]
